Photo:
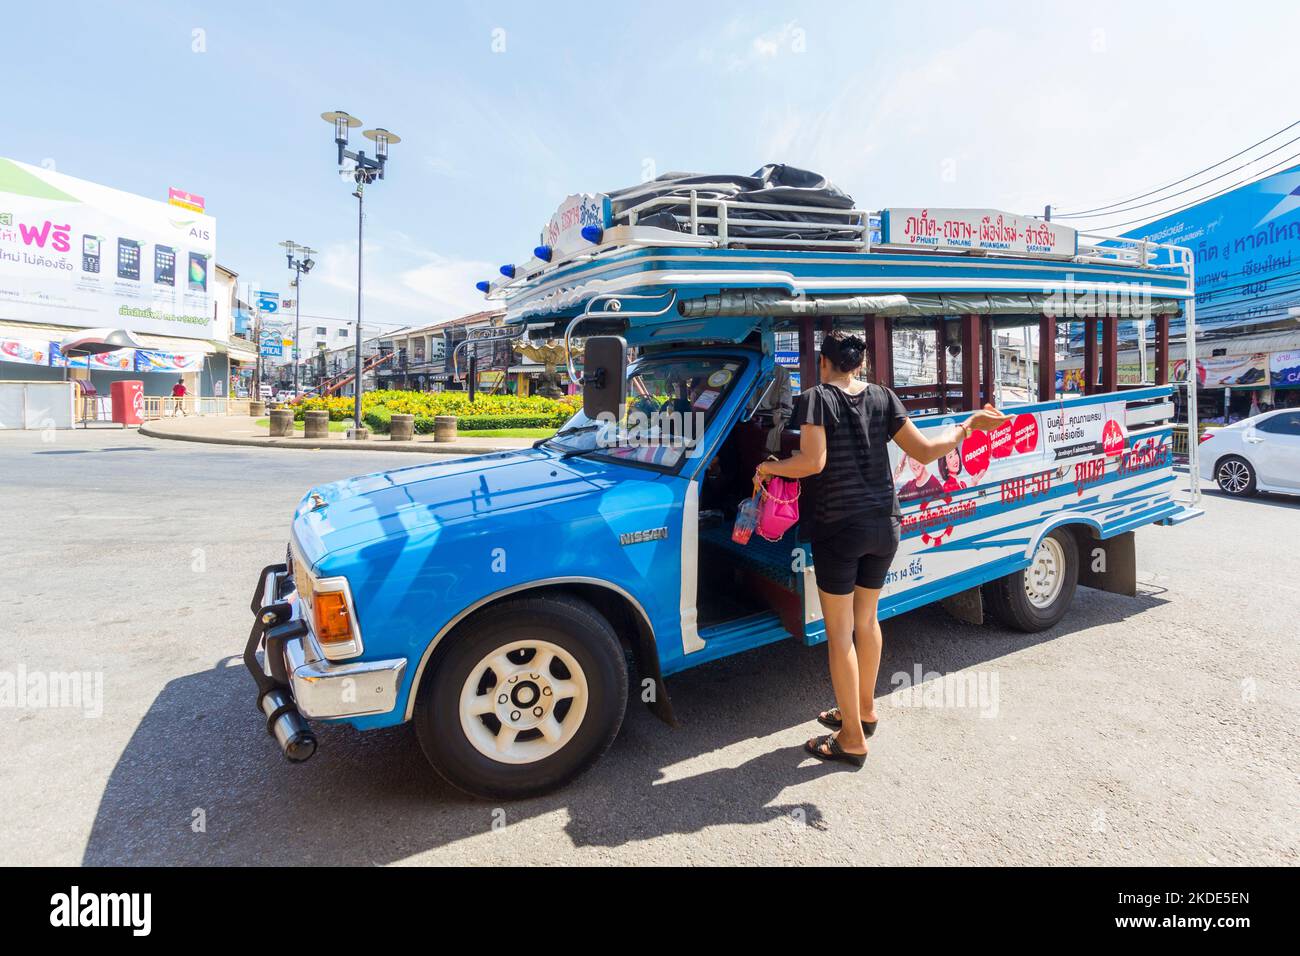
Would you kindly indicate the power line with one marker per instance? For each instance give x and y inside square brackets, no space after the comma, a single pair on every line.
[1231,288]
[1229,159]
[1253,308]
[1275,312]
[1189,188]
[1241,305]
[1163,215]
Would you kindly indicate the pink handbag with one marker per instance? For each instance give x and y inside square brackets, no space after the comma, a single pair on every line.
[779,511]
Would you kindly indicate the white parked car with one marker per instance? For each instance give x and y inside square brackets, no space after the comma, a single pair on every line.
[1255,454]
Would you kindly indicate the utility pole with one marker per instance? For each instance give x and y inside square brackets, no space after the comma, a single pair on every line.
[301,262]
[257,342]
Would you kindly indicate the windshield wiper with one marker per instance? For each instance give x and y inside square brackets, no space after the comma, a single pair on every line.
[576,430]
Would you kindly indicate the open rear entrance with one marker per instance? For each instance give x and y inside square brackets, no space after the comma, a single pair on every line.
[751,592]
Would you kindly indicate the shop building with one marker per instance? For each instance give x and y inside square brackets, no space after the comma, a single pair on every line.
[76,255]
[436,357]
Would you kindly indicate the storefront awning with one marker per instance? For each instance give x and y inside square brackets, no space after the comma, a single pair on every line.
[98,342]
[168,343]
[240,352]
[47,332]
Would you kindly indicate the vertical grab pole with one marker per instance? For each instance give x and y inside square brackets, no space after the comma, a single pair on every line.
[1162,350]
[1193,434]
[1090,355]
[1110,353]
[988,348]
[1047,357]
[878,333]
[970,362]
[809,370]
[941,363]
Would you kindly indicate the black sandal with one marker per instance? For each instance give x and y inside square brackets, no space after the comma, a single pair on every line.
[835,723]
[836,752]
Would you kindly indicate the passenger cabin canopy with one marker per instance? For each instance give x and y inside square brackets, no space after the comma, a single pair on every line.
[693,258]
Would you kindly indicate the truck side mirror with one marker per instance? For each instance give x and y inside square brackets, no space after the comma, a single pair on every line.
[604,376]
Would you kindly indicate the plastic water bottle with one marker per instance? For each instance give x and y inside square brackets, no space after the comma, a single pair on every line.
[746,521]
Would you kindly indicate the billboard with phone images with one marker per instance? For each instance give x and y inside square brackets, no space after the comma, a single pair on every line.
[76,253]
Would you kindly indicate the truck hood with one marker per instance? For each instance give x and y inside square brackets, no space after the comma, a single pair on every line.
[355,511]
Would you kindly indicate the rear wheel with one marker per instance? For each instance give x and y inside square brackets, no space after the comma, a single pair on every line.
[1234,476]
[526,696]
[1038,597]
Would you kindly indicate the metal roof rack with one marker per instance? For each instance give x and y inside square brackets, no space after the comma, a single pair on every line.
[719,217]
[719,223]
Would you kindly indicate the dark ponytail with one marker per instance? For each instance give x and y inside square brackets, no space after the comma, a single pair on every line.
[843,350]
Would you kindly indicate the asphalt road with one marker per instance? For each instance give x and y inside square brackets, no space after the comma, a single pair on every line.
[1154,730]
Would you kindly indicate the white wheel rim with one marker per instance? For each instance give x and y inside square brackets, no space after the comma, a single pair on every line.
[521,715]
[1045,576]
[1234,477]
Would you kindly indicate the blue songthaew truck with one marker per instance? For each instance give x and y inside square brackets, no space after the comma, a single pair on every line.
[510,604]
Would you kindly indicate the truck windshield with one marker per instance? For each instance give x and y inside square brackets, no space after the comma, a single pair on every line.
[668,405]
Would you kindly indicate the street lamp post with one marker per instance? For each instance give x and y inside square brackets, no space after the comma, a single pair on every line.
[365,171]
[301,266]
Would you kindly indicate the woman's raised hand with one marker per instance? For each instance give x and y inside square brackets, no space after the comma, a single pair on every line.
[986,419]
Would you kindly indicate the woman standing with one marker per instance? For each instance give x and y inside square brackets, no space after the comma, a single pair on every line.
[850,514]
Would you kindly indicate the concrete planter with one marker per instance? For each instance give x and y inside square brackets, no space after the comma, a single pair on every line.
[402,428]
[316,424]
[444,428]
[256,409]
[281,423]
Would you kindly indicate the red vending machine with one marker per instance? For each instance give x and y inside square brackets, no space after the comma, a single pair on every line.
[128,402]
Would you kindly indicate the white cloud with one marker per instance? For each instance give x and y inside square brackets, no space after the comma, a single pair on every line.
[403,283]
[447,285]
[742,45]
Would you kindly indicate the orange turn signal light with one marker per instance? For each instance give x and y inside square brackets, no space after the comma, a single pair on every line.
[333,622]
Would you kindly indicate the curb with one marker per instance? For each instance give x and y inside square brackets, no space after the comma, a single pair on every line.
[302,443]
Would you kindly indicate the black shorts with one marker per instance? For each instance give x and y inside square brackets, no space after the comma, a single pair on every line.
[857,554]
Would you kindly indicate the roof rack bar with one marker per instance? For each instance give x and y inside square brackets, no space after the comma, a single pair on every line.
[640,208]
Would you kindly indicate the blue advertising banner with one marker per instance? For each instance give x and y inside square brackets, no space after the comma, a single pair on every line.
[1284,369]
[1247,248]
[31,352]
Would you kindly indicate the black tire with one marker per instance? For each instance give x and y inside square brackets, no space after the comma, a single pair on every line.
[1008,598]
[1235,476]
[569,624]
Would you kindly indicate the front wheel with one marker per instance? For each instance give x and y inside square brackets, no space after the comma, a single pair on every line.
[1234,476]
[527,695]
[1038,597]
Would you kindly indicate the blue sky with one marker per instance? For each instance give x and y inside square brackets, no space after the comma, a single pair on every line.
[1003,105]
